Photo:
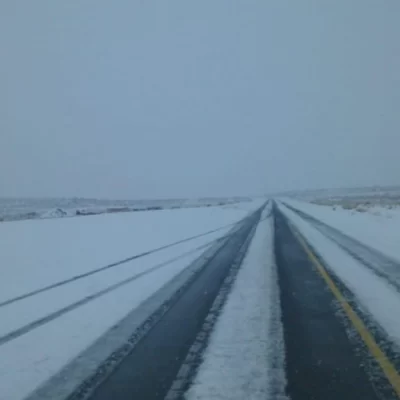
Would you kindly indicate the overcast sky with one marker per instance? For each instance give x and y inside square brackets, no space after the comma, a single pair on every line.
[139,99]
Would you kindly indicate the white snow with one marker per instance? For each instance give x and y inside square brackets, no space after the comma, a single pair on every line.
[374,294]
[377,227]
[15,209]
[38,253]
[237,361]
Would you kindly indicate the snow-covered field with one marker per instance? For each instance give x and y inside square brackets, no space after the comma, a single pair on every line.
[14,209]
[373,194]
[376,226]
[375,296]
[35,254]
[237,362]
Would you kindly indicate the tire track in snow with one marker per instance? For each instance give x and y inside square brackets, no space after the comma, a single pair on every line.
[73,306]
[109,266]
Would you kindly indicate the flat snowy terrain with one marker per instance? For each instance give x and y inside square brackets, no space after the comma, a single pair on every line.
[377,226]
[15,209]
[41,333]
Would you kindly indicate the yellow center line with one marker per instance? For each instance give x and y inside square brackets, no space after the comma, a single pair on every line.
[387,367]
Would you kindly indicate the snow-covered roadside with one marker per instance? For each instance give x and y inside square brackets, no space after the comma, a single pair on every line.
[19,209]
[29,360]
[238,360]
[106,351]
[25,311]
[374,295]
[41,252]
[377,227]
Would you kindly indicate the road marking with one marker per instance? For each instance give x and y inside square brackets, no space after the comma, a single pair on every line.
[387,367]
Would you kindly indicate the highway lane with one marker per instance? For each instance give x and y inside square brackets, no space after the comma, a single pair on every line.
[326,353]
[150,369]
[380,264]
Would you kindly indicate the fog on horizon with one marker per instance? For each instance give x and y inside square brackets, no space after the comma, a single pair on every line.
[137,99]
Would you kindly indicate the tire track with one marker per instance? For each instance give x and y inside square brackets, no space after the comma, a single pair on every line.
[109,266]
[73,306]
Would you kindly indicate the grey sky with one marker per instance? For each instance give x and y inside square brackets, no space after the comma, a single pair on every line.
[189,98]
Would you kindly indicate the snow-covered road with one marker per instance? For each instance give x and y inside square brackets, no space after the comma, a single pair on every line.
[42,333]
[295,301]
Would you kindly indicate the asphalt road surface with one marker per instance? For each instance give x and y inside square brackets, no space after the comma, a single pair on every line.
[322,362]
[151,368]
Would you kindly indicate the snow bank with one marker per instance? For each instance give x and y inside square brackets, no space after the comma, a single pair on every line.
[377,227]
[56,213]
[237,362]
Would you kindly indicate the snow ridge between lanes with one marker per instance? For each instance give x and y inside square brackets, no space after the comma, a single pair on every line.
[237,362]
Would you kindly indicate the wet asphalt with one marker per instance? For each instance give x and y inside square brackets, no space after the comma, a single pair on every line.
[324,358]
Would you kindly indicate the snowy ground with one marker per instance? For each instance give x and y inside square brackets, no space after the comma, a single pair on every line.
[39,253]
[15,209]
[375,226]
[237,362]
[375,296]
[376,195]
